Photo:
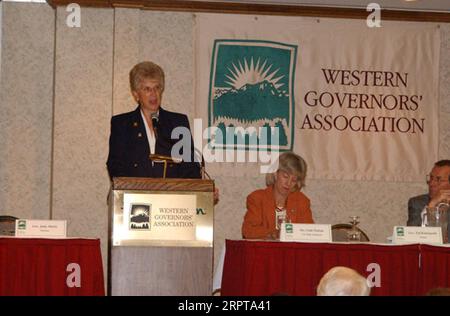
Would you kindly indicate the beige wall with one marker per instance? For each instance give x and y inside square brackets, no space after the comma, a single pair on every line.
[82,109]
[54,137]
[26,100]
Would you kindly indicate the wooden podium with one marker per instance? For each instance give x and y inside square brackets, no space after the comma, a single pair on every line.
[160,237]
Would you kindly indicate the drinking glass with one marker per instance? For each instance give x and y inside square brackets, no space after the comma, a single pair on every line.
[281,215]
[354,235]
[438,217]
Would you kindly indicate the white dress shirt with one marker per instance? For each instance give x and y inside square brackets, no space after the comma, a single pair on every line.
[150,135]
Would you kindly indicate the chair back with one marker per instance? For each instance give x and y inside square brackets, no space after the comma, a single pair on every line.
[7,225]
[339,232]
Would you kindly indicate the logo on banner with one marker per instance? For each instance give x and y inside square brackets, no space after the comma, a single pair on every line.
[140,216]
[251,95]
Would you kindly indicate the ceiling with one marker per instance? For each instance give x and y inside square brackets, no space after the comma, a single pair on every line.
[404,5]
[417,5]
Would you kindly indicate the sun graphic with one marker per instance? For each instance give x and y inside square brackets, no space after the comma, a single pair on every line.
[140,211]
[241,75]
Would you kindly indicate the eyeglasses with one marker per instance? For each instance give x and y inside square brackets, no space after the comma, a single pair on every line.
[438,179]
[155,89]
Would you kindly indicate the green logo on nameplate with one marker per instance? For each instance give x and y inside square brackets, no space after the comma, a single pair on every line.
[289,228]
[22,224]
[400,231]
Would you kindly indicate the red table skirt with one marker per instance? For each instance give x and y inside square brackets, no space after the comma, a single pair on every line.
[266,268]
[43,267]
[435,267]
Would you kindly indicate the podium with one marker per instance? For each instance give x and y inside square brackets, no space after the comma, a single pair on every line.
[160,237]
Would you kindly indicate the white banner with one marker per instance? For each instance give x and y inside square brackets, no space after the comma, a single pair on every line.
[355,102]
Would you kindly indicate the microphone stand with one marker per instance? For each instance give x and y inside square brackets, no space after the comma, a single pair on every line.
[202,164]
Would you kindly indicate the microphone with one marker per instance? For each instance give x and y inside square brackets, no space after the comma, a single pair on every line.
[163,140]
[155,123]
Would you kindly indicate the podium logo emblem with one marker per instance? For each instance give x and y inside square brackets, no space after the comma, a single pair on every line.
[140,216]
[251,95]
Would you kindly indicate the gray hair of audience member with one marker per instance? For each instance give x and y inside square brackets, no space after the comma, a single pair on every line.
[146,70]
[343,281]
[290,163]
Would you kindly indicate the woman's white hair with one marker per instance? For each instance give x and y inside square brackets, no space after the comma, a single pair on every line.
[343,281]
[146,70]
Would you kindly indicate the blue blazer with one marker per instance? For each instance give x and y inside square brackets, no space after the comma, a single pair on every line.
[129,149]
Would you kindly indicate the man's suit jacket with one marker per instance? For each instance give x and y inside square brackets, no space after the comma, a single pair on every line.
[129,149]
[415,207]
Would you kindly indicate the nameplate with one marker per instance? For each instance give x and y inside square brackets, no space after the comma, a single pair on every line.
[306,232]
[413,234]
[41,228]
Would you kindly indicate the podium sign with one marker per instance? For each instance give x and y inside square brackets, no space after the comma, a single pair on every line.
[177,218]
[162,212]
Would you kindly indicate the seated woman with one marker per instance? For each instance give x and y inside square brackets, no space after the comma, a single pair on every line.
[282,197]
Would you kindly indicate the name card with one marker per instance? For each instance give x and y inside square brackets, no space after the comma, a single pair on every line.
[41,228]
[306,232]
[412,234]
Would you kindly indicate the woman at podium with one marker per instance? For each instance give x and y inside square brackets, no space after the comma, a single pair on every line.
[281,201]
[140,143]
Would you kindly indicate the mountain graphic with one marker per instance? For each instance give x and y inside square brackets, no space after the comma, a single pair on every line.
[141,218]
[230,134]
[252,102]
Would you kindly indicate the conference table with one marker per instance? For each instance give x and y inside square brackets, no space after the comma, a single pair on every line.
[38,266]
[264,268]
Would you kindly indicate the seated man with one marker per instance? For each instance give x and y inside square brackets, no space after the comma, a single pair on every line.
[438,191]
[343,281]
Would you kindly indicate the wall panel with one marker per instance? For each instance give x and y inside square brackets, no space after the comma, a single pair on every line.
[83,103]
[126,55]
[26,96]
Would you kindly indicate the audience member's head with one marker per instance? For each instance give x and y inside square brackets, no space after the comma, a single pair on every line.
[439,291]
[343,281]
